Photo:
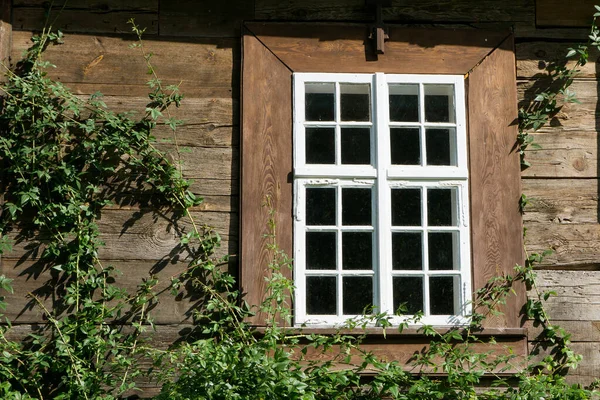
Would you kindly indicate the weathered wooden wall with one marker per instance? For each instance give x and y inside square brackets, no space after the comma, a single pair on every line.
[197,43]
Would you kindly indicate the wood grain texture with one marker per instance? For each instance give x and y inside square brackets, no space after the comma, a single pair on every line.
[578,294]
[139,234]
[571,117]
[88,16]
[496,226]
[562,215]
[91,63]
[31,280]
[266,165]
[580,331]
[534,57]
[564,155]
[574,246]
[204,18]
[407,12]
[564,13]
[561,201]
[341,48]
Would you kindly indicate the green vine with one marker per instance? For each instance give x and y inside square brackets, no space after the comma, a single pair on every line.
[63,162]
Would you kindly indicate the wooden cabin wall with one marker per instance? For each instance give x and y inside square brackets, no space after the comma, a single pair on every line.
[197,44]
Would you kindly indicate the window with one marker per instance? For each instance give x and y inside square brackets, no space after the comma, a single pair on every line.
[487,198]
[380,197]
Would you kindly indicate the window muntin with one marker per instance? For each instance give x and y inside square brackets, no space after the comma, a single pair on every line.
[381,213]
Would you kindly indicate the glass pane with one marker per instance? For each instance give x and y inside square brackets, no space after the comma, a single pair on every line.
[441,295]
[408,291]
[406,207]
[356,206]
[357,250]
[439,103]
[404,103]
[355,102]
[320,206]
[440,207]
[320,145]
[321,295]
[319,102]
[439,148]
[357,294]
[441,250]
[356,145]
[320,250]
[405,146]
[407,251]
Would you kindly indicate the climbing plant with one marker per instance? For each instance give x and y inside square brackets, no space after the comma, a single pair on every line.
[64,159]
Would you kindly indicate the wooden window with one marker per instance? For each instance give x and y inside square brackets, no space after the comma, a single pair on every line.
[381,197]
[485,61]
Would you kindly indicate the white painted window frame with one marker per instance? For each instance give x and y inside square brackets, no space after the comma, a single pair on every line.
[383,177]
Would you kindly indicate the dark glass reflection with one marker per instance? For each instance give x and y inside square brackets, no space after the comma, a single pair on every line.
[438,146]
[441,295]
[320,206]
[356,206]
[408,290]
[320,145]
[404,108]
[355,106]
[357,294]
[357,250]
[320,295]
[407,251]
[441,250]
[319,107]
[437,108]
[320,250]
[405,146]
[439,207]
[356,146]
[406,207]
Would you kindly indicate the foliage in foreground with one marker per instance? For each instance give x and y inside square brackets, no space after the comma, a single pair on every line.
[64,160]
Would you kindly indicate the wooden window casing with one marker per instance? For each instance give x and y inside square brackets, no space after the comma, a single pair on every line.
[272,52]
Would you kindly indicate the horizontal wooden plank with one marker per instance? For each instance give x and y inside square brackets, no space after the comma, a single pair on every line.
[207,19]
[561,201]
[564,13]
[30,279]
[89,16]
[206,121]
[131,235]
[205,162]
[577,294]
[534,57]
[574,246]
[580,331]
[589,368]
[579,117]
[341,48]
[565,155]
[94,60]
[427,10]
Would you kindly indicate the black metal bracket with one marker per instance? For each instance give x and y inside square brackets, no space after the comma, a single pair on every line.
[378,31]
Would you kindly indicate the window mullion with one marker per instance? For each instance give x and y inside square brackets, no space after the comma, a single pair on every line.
[383,268]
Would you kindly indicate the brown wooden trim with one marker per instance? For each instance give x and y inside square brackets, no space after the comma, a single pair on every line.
[272,51]
[408,332]
[266,165]
[341,48]
[495,185]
